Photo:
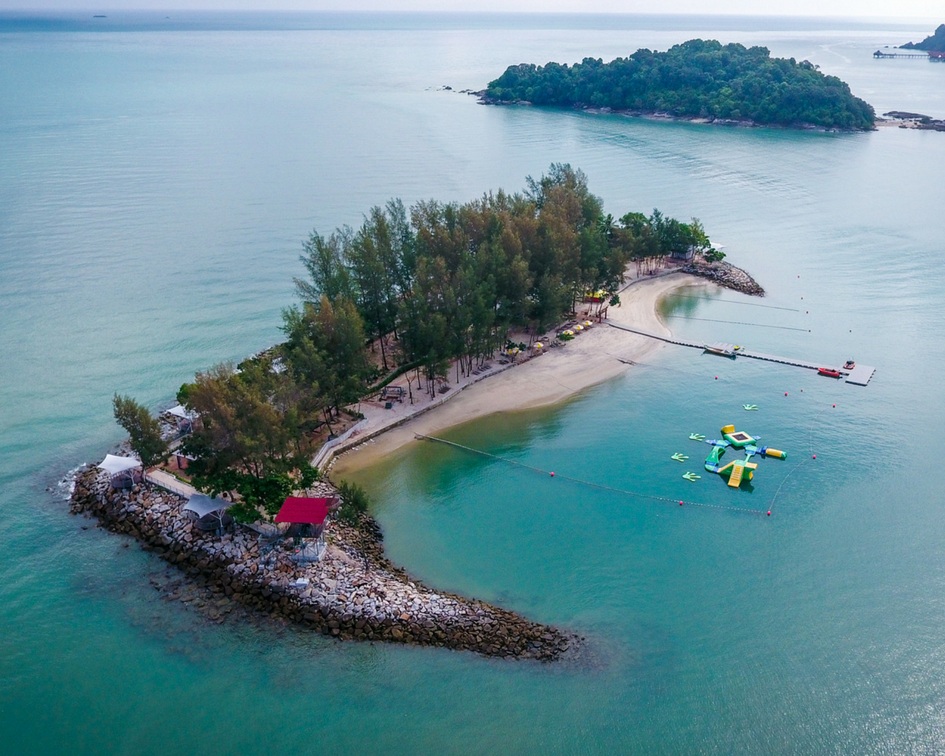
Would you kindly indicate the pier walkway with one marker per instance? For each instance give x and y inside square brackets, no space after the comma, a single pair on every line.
[858,376]
[880,54]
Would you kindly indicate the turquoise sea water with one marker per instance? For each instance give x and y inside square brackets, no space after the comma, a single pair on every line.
[157,183]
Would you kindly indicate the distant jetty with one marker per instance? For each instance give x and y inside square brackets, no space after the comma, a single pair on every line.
[932,55]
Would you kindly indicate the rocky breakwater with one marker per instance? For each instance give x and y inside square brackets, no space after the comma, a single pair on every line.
[725,274]
[352,592]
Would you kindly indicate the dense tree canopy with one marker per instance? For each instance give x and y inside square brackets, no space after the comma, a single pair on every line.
[449,280]
[698,78]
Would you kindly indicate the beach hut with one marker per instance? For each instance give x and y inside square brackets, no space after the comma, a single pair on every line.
[124,472]
[306,519]
[209,512]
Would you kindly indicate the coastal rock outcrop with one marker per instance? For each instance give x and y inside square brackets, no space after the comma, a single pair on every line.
[352,592]
[725,274]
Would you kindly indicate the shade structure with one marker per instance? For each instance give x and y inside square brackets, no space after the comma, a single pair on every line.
[201,504]
[182,412]
[304,510]
[116,465]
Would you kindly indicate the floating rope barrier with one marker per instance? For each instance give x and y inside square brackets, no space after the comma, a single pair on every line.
[732,301]
[592,484]
[737,322]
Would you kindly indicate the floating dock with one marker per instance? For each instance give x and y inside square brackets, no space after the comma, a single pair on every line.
[859,375]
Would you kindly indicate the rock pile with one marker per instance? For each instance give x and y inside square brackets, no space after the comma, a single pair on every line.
[353,592]
[725,274]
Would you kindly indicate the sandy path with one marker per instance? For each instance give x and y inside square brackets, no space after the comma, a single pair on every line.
[592,357]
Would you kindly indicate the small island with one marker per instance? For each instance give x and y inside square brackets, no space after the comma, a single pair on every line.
[696,80]
[395,318]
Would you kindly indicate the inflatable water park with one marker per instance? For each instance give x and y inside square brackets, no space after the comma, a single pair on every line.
[737,470]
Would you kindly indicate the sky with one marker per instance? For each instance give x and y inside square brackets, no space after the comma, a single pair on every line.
[905,9]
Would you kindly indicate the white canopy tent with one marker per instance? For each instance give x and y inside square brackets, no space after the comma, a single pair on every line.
[120,469]
[116,465]
[183,413]
[202,505]
[182,417]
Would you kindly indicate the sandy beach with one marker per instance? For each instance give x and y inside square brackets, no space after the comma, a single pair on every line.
[598,354]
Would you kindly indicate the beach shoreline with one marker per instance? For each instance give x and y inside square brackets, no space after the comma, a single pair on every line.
[599,354]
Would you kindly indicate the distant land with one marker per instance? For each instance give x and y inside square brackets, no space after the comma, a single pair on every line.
[933,43]
[698,79]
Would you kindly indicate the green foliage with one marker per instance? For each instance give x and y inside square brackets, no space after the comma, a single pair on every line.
[354,502]
[325,354]
[143,429]
[259,497]
[714,255]
[252,435]
[699,78]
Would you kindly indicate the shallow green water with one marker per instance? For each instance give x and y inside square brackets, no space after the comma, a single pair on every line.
[156,189]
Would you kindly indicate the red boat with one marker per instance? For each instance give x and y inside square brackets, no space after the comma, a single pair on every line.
[829,372]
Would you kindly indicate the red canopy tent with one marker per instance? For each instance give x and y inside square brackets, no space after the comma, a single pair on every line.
[304,510]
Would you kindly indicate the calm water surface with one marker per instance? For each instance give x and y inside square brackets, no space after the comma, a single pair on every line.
[157,182]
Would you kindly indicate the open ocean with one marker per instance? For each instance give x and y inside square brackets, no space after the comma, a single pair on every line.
[158,178]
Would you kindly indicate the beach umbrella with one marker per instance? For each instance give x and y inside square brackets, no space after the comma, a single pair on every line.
[588,322]
[578,327]
[538,345]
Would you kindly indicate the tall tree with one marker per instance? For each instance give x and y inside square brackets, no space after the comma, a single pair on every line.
[325,261]
[373,265]
[142,428]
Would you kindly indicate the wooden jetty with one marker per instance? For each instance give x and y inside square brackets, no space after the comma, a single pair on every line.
[881,54]
[859,375]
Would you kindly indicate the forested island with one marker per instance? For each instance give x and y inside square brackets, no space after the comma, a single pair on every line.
[696,79]
[933,43]
[435,290]
[437,286]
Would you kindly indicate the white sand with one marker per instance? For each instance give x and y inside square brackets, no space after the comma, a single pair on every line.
[590,358]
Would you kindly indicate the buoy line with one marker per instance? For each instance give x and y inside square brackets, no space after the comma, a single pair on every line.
[811,456]
[592,484]
[732,301]
[737,322]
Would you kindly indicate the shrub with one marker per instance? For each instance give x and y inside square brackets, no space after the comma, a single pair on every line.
[354,502]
